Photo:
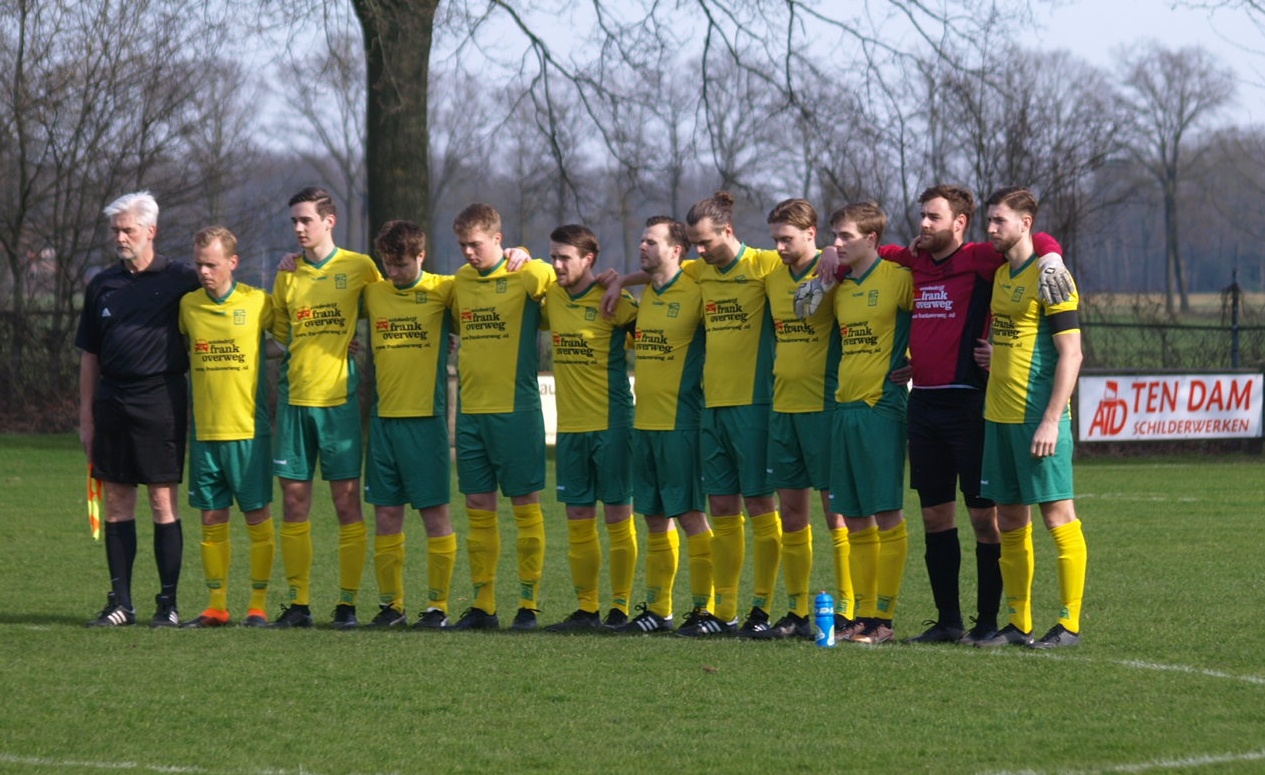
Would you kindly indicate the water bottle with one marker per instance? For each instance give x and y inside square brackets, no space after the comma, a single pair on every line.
[825,624]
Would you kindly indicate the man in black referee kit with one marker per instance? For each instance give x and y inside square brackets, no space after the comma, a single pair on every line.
[133,401]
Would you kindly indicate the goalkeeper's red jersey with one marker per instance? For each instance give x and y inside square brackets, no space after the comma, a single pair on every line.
[951,298]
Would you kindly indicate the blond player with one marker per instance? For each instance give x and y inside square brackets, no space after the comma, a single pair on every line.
[224,324]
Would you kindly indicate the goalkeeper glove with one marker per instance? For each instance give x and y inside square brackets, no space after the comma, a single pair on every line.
[809,295]
[1055,284]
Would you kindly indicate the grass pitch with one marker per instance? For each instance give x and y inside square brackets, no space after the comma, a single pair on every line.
[1169,677]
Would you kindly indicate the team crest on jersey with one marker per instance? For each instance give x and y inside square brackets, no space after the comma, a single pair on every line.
[674,309]
[239,317]
[1018,294]
[871,299]
[420,297]
[501,285]
[590,313]
[340,281]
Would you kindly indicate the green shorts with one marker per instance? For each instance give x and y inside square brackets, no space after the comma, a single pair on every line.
[595,466]
[408,461]
[223,471]
[667,473]
[799,450]
[506,449]
[304,432]
[735,448]
[867,461]
[1010,474]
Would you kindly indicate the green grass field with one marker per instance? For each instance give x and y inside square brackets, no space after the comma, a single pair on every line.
[1170,677]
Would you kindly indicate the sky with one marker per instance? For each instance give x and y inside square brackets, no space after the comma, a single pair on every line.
[1095,29]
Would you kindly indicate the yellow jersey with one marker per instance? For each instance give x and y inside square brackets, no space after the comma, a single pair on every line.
[874,313]
[498,316]
[738,370]
[589,360]
[1024,356]
[409,330]
[806,359]
[317,306]
[226,355]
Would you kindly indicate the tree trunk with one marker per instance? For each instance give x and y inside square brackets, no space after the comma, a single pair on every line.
[1171,264]
[397,39]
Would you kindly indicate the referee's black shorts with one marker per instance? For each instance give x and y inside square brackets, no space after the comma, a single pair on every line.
[140,430]
[946,445]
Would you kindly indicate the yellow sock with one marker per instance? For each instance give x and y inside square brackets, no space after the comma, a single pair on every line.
[698,548]
[584,553]
[863,562]
[797,549]
[263,545]
[388,563]
[663,555]
[531,553]
[841,550]
[353,545]
[1069,539]
[441,556]
[623,544]
[296,557]
[483,545]
[893,548]
[215,561]
[766,557]
[729,548]
[1016,575]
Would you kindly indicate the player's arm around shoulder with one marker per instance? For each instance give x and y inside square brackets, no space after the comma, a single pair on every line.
[282,287]
[904,284]
[625,311]
[764,261]
[538,277]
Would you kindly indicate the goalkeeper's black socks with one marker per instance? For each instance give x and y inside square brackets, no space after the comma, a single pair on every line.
[120,555]
[168,552]
[944,562]
[988,571]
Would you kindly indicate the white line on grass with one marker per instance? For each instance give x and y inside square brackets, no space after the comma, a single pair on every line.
[1128,496]
[77,765]
[1138,664]
[1207,760]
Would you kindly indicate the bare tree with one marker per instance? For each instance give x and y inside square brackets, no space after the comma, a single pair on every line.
[764,41]
[84,116]
[1171,93]
[1037,119]
[325,90]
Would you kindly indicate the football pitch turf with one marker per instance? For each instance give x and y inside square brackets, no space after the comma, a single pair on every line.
[1170,676]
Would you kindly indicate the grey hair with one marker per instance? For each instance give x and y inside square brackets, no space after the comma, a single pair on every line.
[141,205]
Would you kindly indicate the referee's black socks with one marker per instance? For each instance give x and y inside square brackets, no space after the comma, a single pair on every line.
[168,552]
[120,555]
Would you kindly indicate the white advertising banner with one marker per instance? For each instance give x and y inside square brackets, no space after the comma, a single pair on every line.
[1169,406]
[549,406]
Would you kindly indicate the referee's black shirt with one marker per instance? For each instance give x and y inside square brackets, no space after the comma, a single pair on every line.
[131,322]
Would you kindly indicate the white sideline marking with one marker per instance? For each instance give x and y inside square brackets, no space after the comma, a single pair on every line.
[1251,679]
[79,765]
[1138,664]
[1127,496]
[1207,760]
